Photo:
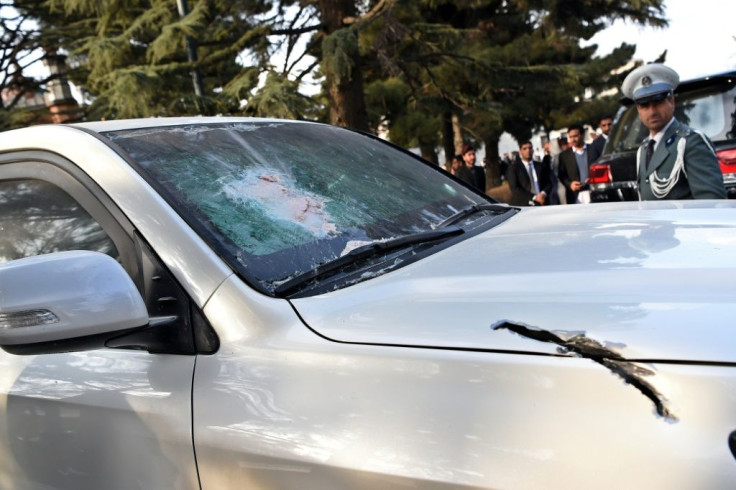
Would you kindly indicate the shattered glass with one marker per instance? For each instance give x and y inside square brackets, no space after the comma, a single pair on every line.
[280,198]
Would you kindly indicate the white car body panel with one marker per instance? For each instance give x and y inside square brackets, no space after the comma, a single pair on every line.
[280,407]
[56,429]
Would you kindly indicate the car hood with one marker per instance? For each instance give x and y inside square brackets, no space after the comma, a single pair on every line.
[649,281]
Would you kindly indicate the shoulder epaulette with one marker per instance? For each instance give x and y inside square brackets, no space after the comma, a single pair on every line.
[684,131]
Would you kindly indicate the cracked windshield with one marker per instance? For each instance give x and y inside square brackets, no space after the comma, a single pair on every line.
[278,199]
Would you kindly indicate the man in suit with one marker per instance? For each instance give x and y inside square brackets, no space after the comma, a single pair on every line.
[529,181]
[574,166]
[605,122]
[675,161]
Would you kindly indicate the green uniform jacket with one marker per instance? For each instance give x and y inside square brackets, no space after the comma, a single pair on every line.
[699,178]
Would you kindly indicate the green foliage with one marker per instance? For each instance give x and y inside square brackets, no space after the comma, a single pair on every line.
[416,129]
[340,54]
[386,99]
[243,83]
[391,103]
[15,118]
[132,56]
[513,65]
[170,43]
[279,97]
[123,82]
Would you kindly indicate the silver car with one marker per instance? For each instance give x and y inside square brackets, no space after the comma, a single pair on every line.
[236,303]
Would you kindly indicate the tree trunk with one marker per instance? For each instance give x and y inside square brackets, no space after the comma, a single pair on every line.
[448,139]
[493,162]
[344,91]
[457,132]
[347,106]
[428,152]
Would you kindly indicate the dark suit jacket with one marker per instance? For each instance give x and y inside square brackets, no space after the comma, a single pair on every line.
[521,186]
[596,147]
[702,177]
[569,172]
[475,176]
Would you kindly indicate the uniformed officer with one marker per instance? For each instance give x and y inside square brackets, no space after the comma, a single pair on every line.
[675,161]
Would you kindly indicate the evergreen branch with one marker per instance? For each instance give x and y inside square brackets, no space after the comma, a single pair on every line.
[236,47]
[307,70]
[169,42]
[291,38]
[297,31]
[307,50]
[444,93]
[288,69]
[442,54]
[187,66]
[148,20]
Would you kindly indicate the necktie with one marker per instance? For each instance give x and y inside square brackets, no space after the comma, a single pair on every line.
[532,178]
[650,152]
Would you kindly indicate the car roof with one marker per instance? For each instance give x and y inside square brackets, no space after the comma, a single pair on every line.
[152,122]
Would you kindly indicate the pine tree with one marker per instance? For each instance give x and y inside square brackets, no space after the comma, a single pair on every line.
[132,56]
[495,65]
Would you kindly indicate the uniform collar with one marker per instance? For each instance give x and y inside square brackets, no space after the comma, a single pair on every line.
[658,137]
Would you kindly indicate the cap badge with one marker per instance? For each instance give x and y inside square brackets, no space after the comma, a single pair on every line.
[646,81]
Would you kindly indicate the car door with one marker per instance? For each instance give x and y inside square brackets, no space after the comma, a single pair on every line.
[106,417]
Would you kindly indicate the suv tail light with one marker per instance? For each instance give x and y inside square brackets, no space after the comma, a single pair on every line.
[600,173]
[727,160]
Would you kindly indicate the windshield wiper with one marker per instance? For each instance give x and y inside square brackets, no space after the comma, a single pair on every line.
[364,252]
[475,208]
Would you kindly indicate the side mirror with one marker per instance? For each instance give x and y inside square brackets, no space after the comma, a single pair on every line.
[66,301]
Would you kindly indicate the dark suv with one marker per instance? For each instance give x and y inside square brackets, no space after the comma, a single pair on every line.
[707,104]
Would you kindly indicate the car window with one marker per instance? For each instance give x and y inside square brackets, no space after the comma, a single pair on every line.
[628,132]
[711,110]
[37,217]
[280,198]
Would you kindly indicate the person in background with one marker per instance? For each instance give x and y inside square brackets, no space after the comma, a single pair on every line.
[555,169]
[455,164]
[574,166]
[505,164]
[528,180]
[605,123]
[547,163]
[675,161]
[469,173]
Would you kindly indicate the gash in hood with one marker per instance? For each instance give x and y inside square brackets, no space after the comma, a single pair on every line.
[648,281]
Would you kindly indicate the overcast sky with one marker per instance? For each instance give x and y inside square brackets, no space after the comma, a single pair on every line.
[699,39]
